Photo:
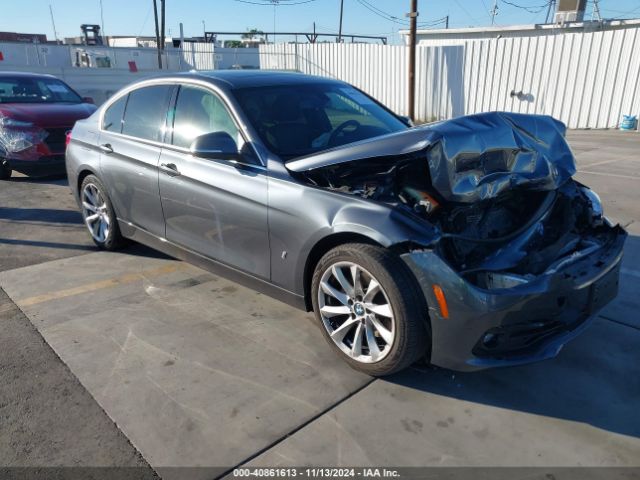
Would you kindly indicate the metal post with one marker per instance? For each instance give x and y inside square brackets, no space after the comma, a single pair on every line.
[494,12]
[340,27]
[550,11]
[413,15]
[104,35]
[162,24]
[181,44]
[155,15]
[447,23]
[275,3]
[596,11]
[53,23]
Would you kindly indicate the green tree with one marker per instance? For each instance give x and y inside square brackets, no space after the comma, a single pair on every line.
[251,34]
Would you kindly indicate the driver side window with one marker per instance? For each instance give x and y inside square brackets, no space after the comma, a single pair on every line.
[197,112]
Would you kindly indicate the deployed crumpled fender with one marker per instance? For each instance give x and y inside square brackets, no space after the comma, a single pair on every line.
[471,158]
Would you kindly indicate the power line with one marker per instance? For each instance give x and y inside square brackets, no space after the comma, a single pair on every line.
[466,11]
[394,19]
[620,11]
[273,3]
[486,9]
[530,9]
[146,18]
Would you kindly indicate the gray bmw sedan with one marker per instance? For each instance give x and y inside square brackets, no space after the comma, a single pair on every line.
[465,242]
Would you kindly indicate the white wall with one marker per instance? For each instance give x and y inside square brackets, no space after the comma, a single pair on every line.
[101,83]
[200,56]
[586,79]
[98,83]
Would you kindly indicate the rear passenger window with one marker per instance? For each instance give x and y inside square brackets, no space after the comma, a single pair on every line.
[146,112]
[112,121]
[199,111]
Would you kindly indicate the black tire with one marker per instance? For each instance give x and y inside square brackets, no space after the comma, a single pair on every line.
[114,239]
[5,169]
[412,339]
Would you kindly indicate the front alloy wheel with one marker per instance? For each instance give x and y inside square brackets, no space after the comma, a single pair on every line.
[356,312]
[371,308]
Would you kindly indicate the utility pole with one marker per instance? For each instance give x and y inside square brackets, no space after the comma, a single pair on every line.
[446,25]
[494,12]
[340,28]
[413,27]
[162,24]
[155,15]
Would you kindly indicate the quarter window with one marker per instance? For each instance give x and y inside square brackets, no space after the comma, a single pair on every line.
[146,112]
[199,111]
[112,121]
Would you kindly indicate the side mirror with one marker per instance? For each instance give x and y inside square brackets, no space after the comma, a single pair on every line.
[216,145]
[406,120]
[88,100]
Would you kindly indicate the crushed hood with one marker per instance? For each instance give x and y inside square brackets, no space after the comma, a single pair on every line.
[471,158]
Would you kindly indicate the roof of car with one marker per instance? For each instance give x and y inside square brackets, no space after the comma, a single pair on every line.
[256,78]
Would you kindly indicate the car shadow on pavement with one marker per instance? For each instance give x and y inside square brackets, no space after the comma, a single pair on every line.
[37,243]
[43,215]
[43,180]
[594,379]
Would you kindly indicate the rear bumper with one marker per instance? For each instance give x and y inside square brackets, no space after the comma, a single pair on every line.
[523,324]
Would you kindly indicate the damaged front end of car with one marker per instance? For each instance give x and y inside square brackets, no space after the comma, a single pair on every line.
[21,144]
[523,255]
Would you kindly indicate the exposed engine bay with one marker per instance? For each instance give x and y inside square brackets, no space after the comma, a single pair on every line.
[502,198]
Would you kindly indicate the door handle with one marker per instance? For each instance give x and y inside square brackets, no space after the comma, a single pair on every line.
[106,148]
[170,169]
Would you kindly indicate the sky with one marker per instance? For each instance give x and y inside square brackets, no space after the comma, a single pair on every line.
[135,17]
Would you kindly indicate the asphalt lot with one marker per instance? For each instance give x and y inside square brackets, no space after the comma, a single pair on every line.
[147,359]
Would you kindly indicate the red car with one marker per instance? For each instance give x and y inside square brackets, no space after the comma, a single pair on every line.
[36,112]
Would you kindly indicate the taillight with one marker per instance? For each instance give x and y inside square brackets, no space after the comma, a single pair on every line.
[67,139]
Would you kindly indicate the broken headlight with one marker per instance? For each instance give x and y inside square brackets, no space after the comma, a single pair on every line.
[17,136]
[595,206]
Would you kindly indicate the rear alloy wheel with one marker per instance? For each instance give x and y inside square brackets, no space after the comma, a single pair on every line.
[370,308]
[98,214]
[5,169]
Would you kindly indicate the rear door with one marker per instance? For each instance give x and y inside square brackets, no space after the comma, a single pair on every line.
[130,142]
[214,207]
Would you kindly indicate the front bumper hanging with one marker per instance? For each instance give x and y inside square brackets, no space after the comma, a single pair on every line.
[510,326]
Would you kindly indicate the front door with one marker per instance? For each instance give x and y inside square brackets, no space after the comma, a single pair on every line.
[214,207]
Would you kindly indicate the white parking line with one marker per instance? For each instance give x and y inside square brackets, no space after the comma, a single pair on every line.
[610,175]
[631,273]
[603,162]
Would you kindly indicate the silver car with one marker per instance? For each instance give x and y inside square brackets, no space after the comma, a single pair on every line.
[464,242]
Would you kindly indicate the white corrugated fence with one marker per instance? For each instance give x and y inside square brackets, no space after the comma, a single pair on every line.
[587,79]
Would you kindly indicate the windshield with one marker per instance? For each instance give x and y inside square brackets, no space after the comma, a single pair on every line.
[303,119]
[36,90]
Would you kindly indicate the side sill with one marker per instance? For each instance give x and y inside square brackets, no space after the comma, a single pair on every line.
[142,236]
